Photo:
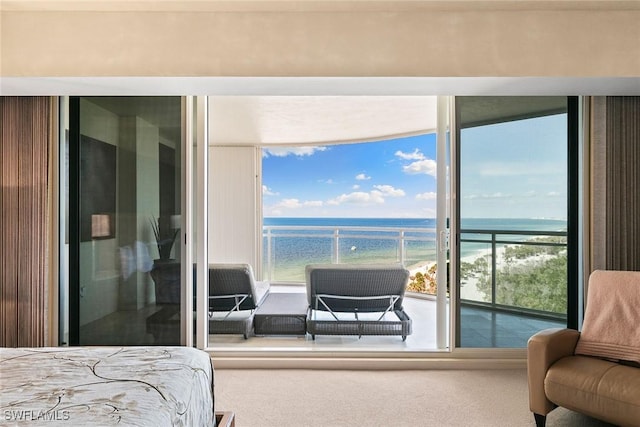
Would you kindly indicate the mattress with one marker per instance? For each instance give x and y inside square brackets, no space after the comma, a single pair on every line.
[101,386]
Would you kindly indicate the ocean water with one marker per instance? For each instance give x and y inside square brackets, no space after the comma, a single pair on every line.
[289,243]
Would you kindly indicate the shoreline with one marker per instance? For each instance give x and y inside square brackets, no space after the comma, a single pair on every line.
[469,289]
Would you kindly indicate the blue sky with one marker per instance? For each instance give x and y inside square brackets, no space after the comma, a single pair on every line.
[510,170]
[387,179]
[515,169]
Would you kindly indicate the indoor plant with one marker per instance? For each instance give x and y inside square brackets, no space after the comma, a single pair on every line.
[165,235]
[166,271]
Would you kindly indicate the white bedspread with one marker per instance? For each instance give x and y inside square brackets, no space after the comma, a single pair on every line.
[98,386]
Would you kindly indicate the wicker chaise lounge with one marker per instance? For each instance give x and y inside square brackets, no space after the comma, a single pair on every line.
[233,297]
[348,299]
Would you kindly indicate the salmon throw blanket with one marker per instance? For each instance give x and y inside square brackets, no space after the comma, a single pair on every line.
[611,327]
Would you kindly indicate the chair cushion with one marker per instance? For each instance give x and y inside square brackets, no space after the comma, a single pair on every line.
[596,387]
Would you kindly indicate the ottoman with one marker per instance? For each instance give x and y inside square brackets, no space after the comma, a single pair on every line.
[282,314]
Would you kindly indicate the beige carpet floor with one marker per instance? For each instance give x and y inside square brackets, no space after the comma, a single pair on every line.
[338,398]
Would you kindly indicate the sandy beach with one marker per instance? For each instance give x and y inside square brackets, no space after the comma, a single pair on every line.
[469,289]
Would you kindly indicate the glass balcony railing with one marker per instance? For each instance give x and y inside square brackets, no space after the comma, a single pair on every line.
[288,249]
[512,270]
[523,271]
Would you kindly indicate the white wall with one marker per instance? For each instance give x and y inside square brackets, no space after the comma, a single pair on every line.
[234,214]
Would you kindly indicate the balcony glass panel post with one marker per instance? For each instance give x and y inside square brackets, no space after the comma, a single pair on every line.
[269,256]
[493,269]
[336,246]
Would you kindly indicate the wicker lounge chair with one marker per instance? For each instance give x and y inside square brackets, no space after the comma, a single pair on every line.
[346,299]
[233,297]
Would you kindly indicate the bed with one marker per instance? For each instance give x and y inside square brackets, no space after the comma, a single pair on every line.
[155,386]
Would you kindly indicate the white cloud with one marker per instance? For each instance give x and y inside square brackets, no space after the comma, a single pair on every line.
[363,198]
[358,198]
[518,169]
[356,187]
[497,195]
[362,177]
[390,191]
[420,163]
[292,151]
[426,166]
[416,155]
[290,203]
[266,191]
[429,195]
[297,204]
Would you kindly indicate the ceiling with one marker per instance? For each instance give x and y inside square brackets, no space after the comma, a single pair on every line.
[314,120]
[268,120]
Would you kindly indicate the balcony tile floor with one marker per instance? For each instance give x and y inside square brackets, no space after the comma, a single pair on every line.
[480,329]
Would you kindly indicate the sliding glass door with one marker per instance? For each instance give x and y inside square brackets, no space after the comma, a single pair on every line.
[513,218]
[124,192]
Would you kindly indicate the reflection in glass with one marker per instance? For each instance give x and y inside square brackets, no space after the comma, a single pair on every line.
[129,201]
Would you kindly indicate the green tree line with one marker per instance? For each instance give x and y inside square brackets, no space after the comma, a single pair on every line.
[532,275]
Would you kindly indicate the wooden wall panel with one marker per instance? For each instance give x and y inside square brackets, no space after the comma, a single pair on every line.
[25,132]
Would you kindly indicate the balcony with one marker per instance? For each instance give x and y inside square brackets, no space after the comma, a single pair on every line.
[499,305]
